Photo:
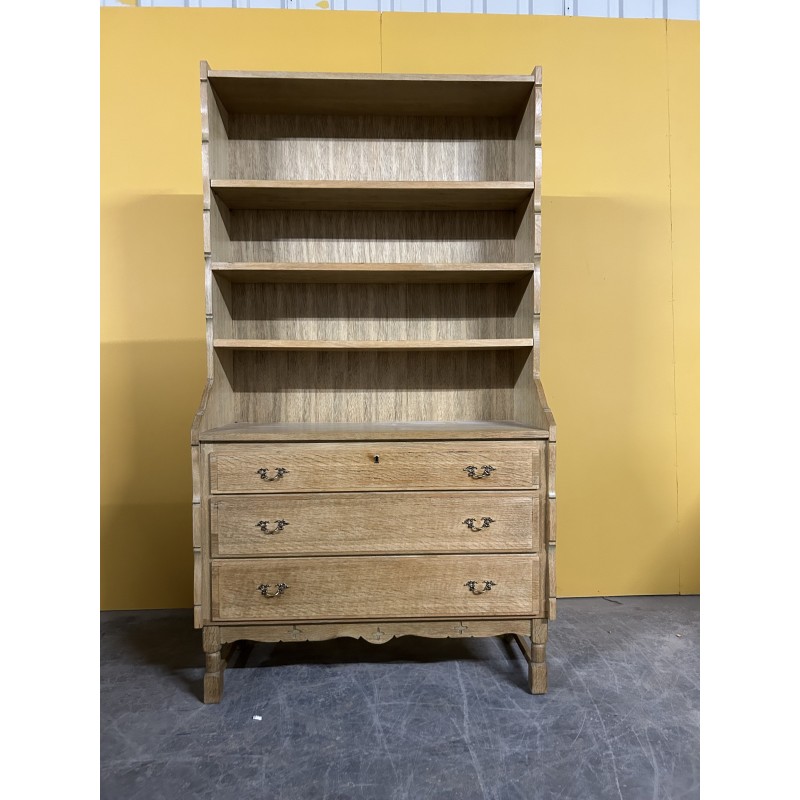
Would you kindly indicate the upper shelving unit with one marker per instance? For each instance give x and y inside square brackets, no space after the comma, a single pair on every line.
[372,249]
[373,195]
[388,94]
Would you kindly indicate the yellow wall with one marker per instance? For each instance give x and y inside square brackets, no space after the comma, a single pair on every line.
[619,269]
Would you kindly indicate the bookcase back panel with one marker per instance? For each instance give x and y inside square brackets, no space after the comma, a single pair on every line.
[366,387]
[352,311]
[318,147]
[372,236]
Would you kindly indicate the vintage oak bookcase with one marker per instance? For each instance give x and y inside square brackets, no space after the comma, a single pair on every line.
[373,455]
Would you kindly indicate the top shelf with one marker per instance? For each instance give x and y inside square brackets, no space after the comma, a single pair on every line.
[383,94]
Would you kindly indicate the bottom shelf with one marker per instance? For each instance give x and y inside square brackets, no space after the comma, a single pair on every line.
[378,431]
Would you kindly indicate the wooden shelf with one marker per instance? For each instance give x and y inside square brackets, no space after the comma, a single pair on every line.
[377,431]
[373,195]
[339,272]
[387,94]
[450,344]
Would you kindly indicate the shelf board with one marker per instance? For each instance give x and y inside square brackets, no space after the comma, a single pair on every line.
[378,431]
[389,94]
[339,272]
[373,195]
[400,344]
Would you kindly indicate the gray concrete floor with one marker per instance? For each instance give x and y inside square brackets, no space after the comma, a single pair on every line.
[412,718]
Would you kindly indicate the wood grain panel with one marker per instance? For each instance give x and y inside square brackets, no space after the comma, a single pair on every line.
[370,148]
[373,236]
[352,466]
[366,311]
[551,571]
[347,523]
[524,142]
[375,633]
[374,586]
[370,387]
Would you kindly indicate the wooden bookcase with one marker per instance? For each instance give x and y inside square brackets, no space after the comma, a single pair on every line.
[373,455]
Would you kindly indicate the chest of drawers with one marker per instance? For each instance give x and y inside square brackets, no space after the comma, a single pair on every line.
[373,455]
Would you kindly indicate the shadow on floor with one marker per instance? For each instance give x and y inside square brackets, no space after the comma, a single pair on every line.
[168,641]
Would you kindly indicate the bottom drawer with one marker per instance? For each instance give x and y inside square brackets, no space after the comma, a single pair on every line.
[377,587]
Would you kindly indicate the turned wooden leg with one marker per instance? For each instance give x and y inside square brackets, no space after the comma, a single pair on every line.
[215,666]
[537,665]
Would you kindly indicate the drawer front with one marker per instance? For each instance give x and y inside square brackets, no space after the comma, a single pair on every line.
[353,467]
[380,587]
[374,522]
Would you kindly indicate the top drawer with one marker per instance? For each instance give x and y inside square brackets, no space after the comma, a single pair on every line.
[259,468]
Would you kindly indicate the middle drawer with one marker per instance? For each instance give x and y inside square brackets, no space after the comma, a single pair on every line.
[363,523]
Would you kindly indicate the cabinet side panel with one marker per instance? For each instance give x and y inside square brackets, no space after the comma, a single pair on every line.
[550,528]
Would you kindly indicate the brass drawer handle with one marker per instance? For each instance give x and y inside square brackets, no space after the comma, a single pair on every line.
[472,471]
[264,473]
[280,524]
[280,588]
[470,523]
[473,586]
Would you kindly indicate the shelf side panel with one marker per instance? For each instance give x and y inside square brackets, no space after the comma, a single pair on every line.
[524,142]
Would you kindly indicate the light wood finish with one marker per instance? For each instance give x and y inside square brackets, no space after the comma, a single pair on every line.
[352,467]
[280,235]
[215,666]
[551,520]
[382,587]
[535,655]
[373,523]
[372,267]
[372,148]
[542,416]
[551,571]
[375,633]
[550,527]
[342,272]
[365,387]
[537,673]
[344,344]
[411,315]
[372,195]
[376,431]
[379,94]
